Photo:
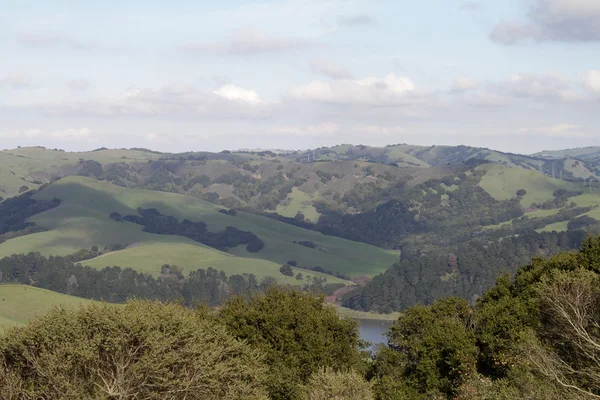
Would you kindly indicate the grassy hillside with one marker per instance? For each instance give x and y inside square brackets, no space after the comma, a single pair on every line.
[82,220]
[149,257]
[502,183]
[31,166]
[20,303]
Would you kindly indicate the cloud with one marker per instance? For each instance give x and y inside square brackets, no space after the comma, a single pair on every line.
[248,42]
[591,80]
[78,85]
[73,134]
[463,84]
[376,130]
[539,87]
[177,100]
[51,39]
[389,90]
[17,80]
[30,133]
[563,130]
[232,92]
[356,19]
[322,129]
[553,20]
[330,69]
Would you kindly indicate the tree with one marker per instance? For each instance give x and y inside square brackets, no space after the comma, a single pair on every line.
[566,348]
[299,276]
[23,189]
[431,350]
[327,384]
[144,350]
[521,192]
[297,332]
[286,270]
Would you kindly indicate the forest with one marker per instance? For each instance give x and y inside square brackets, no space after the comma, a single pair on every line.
[117,285]
[534,335]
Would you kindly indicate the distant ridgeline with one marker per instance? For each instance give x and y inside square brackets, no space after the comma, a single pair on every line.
[117,285]
[155,222]
[15,211]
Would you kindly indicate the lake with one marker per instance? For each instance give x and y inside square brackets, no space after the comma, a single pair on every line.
[372,330]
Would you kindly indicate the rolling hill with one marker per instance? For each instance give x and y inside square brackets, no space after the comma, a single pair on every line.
[82,220]
[20,303]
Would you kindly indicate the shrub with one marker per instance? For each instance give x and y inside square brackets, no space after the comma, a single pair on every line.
[326,384]
[286,270]
[297,332]
[143,350]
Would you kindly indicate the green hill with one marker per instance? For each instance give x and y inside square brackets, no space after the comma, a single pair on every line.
[32,166]
[82,220]
[20,303]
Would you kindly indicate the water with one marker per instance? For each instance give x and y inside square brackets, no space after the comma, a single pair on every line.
[373,330]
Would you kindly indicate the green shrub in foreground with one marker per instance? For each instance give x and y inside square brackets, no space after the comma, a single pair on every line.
[144,350]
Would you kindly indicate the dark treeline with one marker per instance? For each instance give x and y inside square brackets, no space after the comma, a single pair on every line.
[155,222]
[117,285]
[421,277]
[15,211]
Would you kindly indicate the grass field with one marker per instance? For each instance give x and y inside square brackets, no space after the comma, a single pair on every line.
[503,182]
[20,303]
[22,166]
[82,220]
[150,257]
[298,201]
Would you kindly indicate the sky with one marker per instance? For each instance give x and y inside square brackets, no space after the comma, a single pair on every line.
[514,75]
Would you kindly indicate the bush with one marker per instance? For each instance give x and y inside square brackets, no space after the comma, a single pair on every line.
[286,270]
[143,350]
[298,334]
[326,384]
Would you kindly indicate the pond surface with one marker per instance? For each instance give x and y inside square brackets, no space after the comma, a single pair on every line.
[373,330]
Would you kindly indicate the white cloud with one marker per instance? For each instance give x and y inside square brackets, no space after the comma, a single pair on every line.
[16,80]
[562,130]
[247,42]
[78,85]
[330,69]
[553,20]
[177,100]
[389,90]
[322,129]
[591,79]
[463,84]
[30,133]
[376,130]
[232,92]
[73,134]
[537,87]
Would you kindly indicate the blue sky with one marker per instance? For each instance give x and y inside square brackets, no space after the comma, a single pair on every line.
[516,75]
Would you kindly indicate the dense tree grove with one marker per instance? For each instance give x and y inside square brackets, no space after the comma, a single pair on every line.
[15,211]
[295,346]
[155,222]
[117,285]
[535,336]
[467,271]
